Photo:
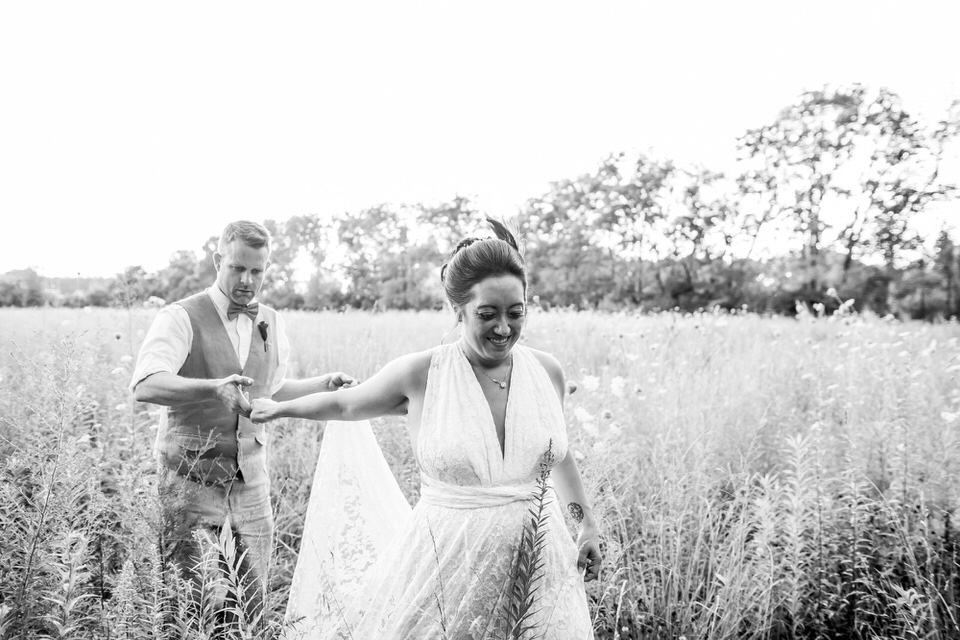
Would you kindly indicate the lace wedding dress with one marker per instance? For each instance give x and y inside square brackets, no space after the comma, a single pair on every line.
[369,567]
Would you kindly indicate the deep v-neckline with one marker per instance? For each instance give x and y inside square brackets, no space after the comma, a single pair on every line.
[500,446]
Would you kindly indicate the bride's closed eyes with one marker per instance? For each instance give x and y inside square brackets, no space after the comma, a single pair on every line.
[487,316]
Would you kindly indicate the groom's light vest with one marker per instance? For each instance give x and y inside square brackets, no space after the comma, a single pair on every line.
[203,440]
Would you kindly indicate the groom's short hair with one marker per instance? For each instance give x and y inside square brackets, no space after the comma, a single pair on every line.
[250,233]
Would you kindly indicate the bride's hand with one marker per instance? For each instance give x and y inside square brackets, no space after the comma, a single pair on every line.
[588,559]
[261,410]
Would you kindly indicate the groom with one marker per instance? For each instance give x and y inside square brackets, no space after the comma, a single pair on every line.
[203,359]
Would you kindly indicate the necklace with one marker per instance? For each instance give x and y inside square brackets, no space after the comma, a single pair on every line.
[500,383]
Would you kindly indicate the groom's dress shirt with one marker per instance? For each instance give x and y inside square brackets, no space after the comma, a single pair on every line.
[168,342]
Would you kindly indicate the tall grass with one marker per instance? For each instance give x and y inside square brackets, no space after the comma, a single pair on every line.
[755,477]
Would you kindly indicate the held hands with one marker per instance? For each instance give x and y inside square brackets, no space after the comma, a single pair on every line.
[262,410]
[588,559]
[230,392]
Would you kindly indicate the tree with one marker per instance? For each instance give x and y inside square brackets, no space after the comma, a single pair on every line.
[706,232]
[450,222]
[850,153]
[181,277]
[946,263]
[589,237]
[381,266]
[21,288]
[796,159]
[567,266]
[133,286]
[901,179]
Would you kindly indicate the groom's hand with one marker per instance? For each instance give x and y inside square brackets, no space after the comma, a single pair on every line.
[230,391]
[338,380]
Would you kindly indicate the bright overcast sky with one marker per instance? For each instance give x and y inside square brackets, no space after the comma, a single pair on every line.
[130,130]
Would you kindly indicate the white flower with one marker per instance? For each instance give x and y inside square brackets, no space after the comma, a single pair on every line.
[121,407]
[617,386]
[590,428]
[948,416]
[126,359]
[591,383]
[582,415]
[615,429]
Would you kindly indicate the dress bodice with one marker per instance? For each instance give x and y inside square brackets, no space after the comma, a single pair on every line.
[458,444]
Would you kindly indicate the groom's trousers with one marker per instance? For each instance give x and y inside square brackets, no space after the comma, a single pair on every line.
[201,514]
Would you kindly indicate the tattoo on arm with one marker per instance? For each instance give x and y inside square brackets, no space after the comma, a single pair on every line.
[576,512]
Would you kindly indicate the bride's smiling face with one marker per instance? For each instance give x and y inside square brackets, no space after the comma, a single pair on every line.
[493,319]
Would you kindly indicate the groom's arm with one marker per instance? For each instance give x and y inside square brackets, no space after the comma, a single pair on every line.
[293,389]
[283,388]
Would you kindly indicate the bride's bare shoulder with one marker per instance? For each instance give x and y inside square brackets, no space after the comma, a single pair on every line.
[552,367]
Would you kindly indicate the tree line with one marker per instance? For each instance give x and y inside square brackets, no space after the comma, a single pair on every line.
[822,210]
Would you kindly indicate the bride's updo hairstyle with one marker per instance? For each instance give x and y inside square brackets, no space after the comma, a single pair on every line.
[475,260]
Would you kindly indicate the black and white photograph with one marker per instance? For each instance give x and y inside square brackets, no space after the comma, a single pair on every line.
[430,320]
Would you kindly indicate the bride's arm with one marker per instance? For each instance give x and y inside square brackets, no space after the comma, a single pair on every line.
[386,393]
[569,487]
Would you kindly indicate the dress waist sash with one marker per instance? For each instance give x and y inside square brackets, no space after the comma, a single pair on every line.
[454,496]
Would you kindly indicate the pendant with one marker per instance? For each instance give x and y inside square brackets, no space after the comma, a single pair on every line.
[503,385]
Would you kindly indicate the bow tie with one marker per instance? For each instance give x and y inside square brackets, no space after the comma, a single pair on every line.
[236,309]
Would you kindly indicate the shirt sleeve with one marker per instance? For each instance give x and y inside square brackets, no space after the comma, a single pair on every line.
[166,345]
[283,355]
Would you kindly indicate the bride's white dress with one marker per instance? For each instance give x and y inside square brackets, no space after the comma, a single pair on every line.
[369,567]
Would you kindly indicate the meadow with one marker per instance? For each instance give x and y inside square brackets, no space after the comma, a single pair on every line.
[756,477]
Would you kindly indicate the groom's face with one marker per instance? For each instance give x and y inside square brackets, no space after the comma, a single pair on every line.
[240,270]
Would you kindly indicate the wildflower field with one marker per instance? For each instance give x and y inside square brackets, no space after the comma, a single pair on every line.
[755,477]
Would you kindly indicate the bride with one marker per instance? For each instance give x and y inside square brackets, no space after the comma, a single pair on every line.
[486,423]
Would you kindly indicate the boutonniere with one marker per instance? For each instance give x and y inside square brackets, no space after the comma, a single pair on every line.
[263,333]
